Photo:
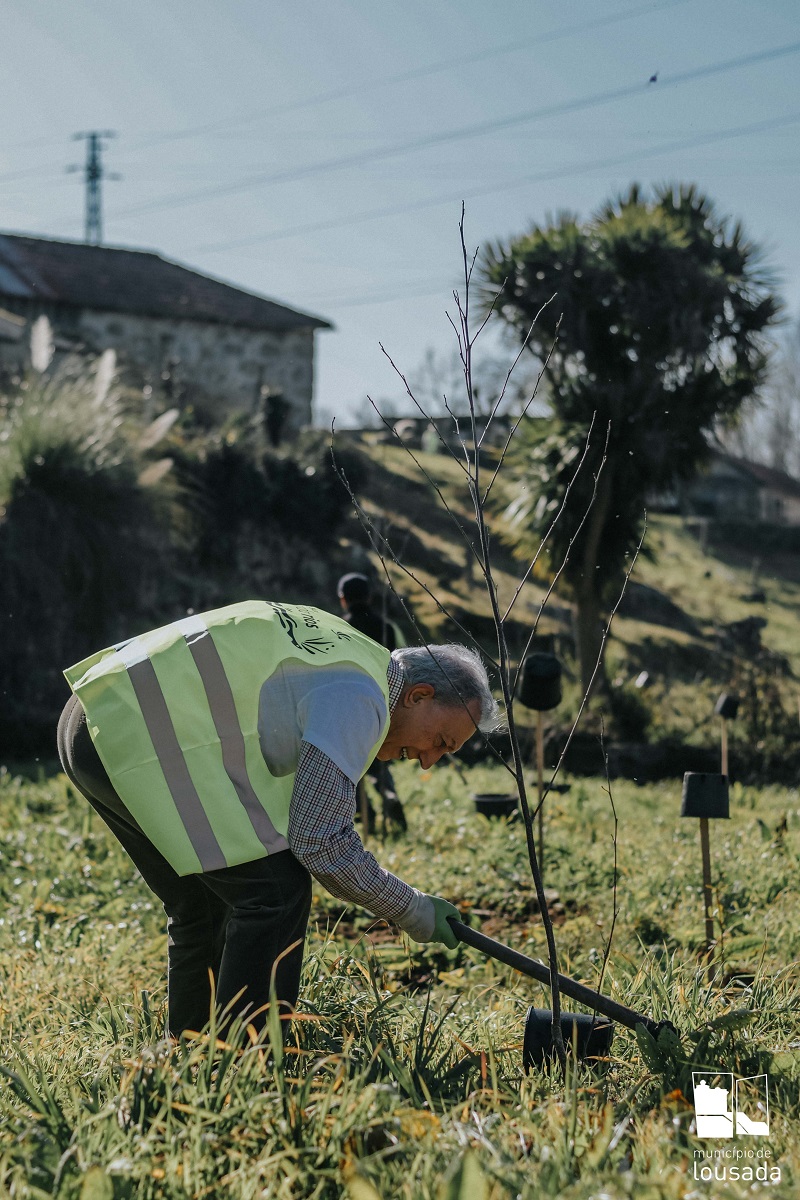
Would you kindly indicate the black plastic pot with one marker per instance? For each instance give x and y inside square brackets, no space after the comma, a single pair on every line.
[495,804]
[538,1046]
[727,706]
[705,795]
[592,1036]
[540,682]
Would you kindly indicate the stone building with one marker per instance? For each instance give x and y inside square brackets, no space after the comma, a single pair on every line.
[187,338]
[735,489]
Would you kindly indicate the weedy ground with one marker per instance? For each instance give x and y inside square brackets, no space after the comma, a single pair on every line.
[403,1078]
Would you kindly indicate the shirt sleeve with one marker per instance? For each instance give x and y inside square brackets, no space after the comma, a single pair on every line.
[344,719]
[322,837]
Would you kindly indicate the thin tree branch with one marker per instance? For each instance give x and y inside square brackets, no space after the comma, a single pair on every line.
[603,640]
[512,368]
[565,560]
[376,539]
[556,519]
[430,480]
[522,415]
[558,1041]
[417,405]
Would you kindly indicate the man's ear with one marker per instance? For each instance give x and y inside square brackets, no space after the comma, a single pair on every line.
[420,691]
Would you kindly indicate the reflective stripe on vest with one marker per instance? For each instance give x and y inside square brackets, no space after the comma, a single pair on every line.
[173,764]
[168,751]
[226,723]
[173,715]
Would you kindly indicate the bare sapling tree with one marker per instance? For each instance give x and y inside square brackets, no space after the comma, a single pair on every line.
[471,434]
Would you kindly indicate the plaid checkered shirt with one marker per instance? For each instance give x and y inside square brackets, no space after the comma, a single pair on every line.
[322,836]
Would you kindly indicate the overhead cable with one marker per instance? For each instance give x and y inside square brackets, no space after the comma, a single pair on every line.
[581,168]
[267,179]
[408,76]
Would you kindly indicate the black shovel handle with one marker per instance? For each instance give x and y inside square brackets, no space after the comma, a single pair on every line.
[537,970]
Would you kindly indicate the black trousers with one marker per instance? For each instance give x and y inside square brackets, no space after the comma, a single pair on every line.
[238,925]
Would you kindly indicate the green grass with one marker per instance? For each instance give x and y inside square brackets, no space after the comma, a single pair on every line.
[404,1077]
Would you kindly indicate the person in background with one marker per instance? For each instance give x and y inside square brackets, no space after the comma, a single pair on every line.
[223,751]
[356,598]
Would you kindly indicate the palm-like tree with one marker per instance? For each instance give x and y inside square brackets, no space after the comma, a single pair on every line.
[660,304]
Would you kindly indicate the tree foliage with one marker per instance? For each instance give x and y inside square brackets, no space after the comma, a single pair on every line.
[770,429]
[76,545]
[652,313]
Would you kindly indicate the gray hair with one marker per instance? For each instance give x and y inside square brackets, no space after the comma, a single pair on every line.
[457,675]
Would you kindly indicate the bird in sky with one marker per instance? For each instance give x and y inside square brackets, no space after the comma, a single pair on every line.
[653,78]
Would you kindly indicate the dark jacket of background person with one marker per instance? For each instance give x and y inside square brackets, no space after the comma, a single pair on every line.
[366,620]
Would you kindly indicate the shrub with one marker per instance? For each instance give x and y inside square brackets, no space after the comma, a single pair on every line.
[239,492]
[76,542]
[630,714]
[97,543]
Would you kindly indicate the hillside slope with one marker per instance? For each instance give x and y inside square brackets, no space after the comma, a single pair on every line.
[691,618]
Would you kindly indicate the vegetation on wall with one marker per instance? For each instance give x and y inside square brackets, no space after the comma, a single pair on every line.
[109,526]
[77,539]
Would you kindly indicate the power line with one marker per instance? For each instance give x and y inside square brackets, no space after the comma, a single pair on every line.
[26,173]
[519,181]
[35,143]
[434,68]
[471,131]
[94,173]
[430,283]
[558,173]
[384,297]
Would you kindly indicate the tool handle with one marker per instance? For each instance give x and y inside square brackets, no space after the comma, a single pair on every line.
[538,970]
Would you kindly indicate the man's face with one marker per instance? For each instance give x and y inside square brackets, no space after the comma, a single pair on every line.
[423,729]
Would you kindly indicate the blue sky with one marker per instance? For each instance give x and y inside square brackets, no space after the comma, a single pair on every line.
[317,151]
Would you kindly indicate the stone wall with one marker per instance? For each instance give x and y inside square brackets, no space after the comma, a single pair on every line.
[219,369]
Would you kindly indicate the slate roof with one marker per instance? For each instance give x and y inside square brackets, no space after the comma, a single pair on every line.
[777,481]
[110,279]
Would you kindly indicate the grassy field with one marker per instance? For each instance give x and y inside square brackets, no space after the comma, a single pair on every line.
[404,1076]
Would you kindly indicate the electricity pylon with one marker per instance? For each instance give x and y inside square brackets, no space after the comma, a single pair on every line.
[94,174]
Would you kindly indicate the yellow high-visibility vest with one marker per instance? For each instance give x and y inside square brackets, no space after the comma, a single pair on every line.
[174,716]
